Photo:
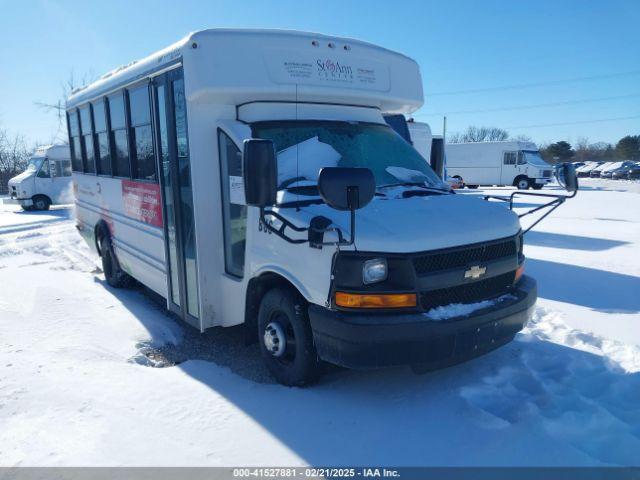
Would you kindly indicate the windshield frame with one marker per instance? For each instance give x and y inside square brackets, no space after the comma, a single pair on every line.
[432,181]
[36,163]
[535,153]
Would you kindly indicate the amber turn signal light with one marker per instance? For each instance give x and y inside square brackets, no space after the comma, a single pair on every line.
[519,273]
[390,300]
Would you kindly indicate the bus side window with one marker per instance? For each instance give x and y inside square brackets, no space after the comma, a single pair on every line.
[101,138]
[234,209]
[86,129]
[74,140]
[521,158]
[140,134]
[119,141]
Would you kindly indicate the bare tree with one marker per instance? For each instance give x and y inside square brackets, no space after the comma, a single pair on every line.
[14,154]
[521,138]
[58,108]
[479,134]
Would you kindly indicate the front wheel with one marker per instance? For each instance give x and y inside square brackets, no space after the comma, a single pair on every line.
[286,340]
[41,202]
[522,183]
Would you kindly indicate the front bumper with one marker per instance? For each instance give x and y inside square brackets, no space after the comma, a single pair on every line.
[363,340]
[542,181]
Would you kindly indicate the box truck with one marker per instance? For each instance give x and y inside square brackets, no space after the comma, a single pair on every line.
[46,180]
[510,163]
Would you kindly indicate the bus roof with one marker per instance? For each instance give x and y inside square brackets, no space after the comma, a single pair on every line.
[235,66]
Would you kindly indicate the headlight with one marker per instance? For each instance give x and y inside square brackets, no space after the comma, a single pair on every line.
[374,271]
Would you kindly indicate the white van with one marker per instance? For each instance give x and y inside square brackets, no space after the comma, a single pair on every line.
[46,180]
[517,164]
[224,173]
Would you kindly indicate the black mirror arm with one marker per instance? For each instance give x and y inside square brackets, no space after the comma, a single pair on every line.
[553,204]
[284,225]
[280,232]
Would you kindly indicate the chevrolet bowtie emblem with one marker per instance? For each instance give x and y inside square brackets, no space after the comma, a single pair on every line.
[475,272]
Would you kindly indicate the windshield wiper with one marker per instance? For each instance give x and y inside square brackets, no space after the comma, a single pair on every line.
[412,193]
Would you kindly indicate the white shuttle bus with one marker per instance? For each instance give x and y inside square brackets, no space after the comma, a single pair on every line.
[249,177]
[46,181]
[509,163]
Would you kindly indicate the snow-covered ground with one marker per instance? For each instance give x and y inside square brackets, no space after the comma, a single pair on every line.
[78,387]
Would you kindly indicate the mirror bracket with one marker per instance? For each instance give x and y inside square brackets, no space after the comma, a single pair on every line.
[315,231]
[556,201]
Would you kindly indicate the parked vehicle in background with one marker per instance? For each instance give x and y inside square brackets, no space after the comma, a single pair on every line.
[577,165]
[634,172]
[622,168]
[517,164]
[585,170]
[226,174]
[46,180]
[595,173]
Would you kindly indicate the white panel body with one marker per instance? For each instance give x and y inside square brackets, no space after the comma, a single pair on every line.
[482,163]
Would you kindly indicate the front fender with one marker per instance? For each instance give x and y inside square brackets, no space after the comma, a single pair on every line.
[296,282]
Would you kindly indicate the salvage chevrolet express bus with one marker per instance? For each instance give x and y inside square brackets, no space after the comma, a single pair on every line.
[249,177]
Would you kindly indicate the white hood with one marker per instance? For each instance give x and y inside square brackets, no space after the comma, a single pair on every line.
[418,224]
[20,178]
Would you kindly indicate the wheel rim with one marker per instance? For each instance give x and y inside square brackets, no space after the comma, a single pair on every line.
[40,204]
[279,338]
[523,184]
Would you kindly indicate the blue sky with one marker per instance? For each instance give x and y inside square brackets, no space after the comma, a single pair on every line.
[460,46]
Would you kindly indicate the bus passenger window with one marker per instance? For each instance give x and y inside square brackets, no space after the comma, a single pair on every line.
[74,140]
[120,153]
[141,136]
[88,154]
[103,159]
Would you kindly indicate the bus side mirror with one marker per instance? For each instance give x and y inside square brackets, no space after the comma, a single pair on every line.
[568,177]
[260,172]
[346,188]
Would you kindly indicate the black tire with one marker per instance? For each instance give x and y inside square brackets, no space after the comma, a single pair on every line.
[537,186]
[294,362]
[40,202]
[522,183]
[27,208]
[113,273]
[472,187]
[462,185]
